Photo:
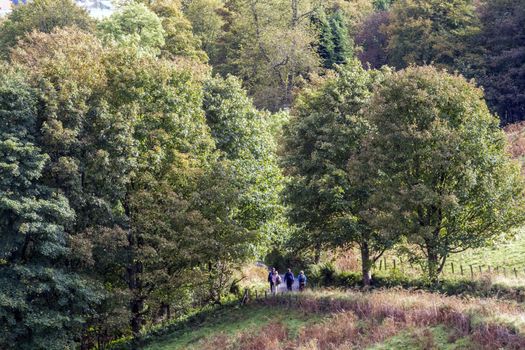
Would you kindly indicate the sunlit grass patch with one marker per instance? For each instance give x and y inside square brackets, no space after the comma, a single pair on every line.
[221,326]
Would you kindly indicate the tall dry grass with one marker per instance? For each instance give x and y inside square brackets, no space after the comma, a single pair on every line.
[359,320]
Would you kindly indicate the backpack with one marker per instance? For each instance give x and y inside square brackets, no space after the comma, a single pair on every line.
[278,279]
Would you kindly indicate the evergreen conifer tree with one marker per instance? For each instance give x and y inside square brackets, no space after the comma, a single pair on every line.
[335,45]
[342,44]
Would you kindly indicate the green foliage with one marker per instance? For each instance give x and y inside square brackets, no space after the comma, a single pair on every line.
[343,46]
[323,132]
[496,58]
[383,5]
[328,276]
[89,143]
[335,46]
[43,304]
[238,128]
[429,32]
[246,138]
[270,46]
[90,150]
[133,24]
[178,36]
[133,183]
[325,47]
[441,172]
[327,129]
[42,16]
[207,22]
[173,144]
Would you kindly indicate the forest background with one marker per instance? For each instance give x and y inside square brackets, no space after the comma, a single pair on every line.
[145,157]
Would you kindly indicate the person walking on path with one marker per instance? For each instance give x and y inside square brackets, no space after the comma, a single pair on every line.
[277,281]
[272,279]
[289,279]
[302,281]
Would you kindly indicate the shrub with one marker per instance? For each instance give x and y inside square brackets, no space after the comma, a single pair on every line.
[327,276]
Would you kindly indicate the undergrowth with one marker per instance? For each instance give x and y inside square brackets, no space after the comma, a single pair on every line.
[327,276]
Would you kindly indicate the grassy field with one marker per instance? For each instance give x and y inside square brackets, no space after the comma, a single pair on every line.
[508,253]
[330,320]
[504,262]
[229,322]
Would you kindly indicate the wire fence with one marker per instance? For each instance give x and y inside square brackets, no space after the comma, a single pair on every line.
[451,270]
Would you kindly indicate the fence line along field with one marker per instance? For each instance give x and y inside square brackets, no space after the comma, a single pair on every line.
[503,262]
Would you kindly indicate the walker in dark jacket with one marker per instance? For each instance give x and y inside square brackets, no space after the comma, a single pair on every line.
[289,279]
[302,280]
[271,280]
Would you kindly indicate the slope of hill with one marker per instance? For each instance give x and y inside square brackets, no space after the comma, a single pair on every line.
[354,320]
[516,136]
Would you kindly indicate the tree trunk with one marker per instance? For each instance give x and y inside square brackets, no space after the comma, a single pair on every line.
[136,303]
[366,264]
[134,270]
[432,264]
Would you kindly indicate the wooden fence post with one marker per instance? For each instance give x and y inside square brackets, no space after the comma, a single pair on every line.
[480,271]
[515,273]
[461,268]
[244,299]
[471,272]
[452,266]
[394,261]
[380,264]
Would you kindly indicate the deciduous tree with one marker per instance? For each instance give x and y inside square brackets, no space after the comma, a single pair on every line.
[44,302]
[444,177]
[326,131]
[429,31]
[42,16]
[496,58]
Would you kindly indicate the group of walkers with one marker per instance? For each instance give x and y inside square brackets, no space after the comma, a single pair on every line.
[275,280]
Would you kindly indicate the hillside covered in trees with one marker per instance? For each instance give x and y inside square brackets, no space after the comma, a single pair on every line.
[146,157]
